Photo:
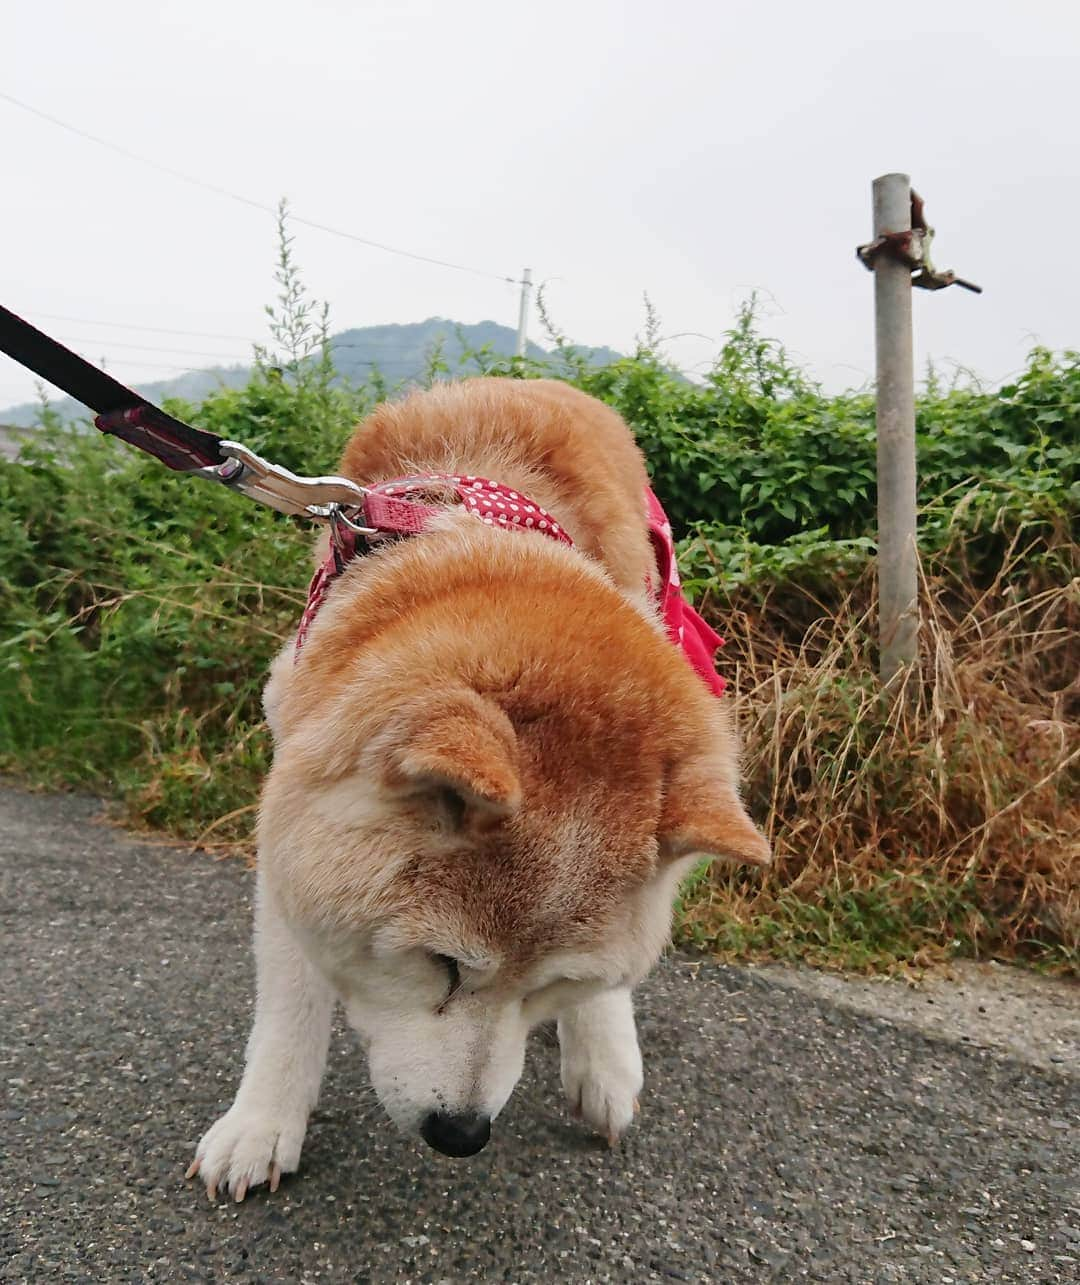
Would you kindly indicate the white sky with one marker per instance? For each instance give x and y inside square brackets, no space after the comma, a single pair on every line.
[691,149]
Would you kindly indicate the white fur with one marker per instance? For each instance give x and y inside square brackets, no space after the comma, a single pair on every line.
[601,1068]
[466,1056]
[286,1054]
[466,1059]
[335,919]
[423,1057]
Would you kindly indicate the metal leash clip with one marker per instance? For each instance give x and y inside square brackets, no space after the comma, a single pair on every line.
[325,498]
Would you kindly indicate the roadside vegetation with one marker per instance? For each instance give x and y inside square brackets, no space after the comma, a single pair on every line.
[139,610]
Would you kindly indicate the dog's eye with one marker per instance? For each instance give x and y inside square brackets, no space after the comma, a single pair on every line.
[451,965]
[453,806]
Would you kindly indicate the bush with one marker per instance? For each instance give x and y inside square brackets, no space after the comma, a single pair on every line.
[140,610]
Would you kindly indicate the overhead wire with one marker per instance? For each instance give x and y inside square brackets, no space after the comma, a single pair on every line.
[157,330]
[119,343]
[124,362]
[152,365]
[184,177]
[218,190]
[107,343]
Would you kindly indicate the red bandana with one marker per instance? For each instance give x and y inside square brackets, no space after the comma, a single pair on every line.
[499,506]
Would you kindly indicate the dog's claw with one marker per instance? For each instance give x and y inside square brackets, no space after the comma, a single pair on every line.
[637,1106]
[192,1168]
[246,1149]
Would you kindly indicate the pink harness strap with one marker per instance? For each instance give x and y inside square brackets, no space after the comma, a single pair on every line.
[685,627]
[388,509]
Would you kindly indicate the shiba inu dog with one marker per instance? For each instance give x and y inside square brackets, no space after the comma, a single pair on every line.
[494,763]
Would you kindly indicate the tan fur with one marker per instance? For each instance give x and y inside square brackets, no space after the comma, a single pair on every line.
[567,451]
[491,770]
[519,673]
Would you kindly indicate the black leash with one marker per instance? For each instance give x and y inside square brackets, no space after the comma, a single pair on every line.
[122,413]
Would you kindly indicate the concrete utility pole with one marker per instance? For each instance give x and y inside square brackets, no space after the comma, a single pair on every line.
[898,605]
[523,312]
[899,257]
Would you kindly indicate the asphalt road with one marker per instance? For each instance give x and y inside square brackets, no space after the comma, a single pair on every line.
[781,1137]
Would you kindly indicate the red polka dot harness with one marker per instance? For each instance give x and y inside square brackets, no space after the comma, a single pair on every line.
[388,510]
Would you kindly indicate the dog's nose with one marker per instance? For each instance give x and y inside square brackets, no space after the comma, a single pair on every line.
[456,1133]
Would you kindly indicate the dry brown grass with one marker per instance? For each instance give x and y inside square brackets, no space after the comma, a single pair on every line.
[946,820]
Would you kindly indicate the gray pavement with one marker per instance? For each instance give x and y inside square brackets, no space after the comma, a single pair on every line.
[782,1137]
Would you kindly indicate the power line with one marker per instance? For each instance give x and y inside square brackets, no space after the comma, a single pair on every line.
[157,330]
[125,362]
[139,328]
[106,342]
[117,343]
[246,200]
[153,365]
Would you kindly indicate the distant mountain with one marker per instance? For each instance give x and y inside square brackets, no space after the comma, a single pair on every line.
[400,352]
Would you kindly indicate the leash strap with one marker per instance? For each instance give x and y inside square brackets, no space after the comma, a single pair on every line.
[121,411]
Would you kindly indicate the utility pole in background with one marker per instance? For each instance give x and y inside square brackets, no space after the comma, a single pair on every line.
[899,257]
[898,590]
[523,312]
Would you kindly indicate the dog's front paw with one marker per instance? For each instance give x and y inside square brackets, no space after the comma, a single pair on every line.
[602,1081]
[246,1147]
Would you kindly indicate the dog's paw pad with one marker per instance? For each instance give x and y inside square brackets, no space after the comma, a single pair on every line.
[246,1148]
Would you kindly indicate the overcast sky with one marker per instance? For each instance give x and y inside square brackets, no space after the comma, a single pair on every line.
[695,150]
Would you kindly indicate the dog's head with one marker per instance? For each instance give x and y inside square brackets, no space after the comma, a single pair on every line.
[469,843]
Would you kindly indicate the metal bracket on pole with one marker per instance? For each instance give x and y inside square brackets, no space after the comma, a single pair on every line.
[911,246]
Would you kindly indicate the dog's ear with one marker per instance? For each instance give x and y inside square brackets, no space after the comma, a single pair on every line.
[703,816]
[464,744]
